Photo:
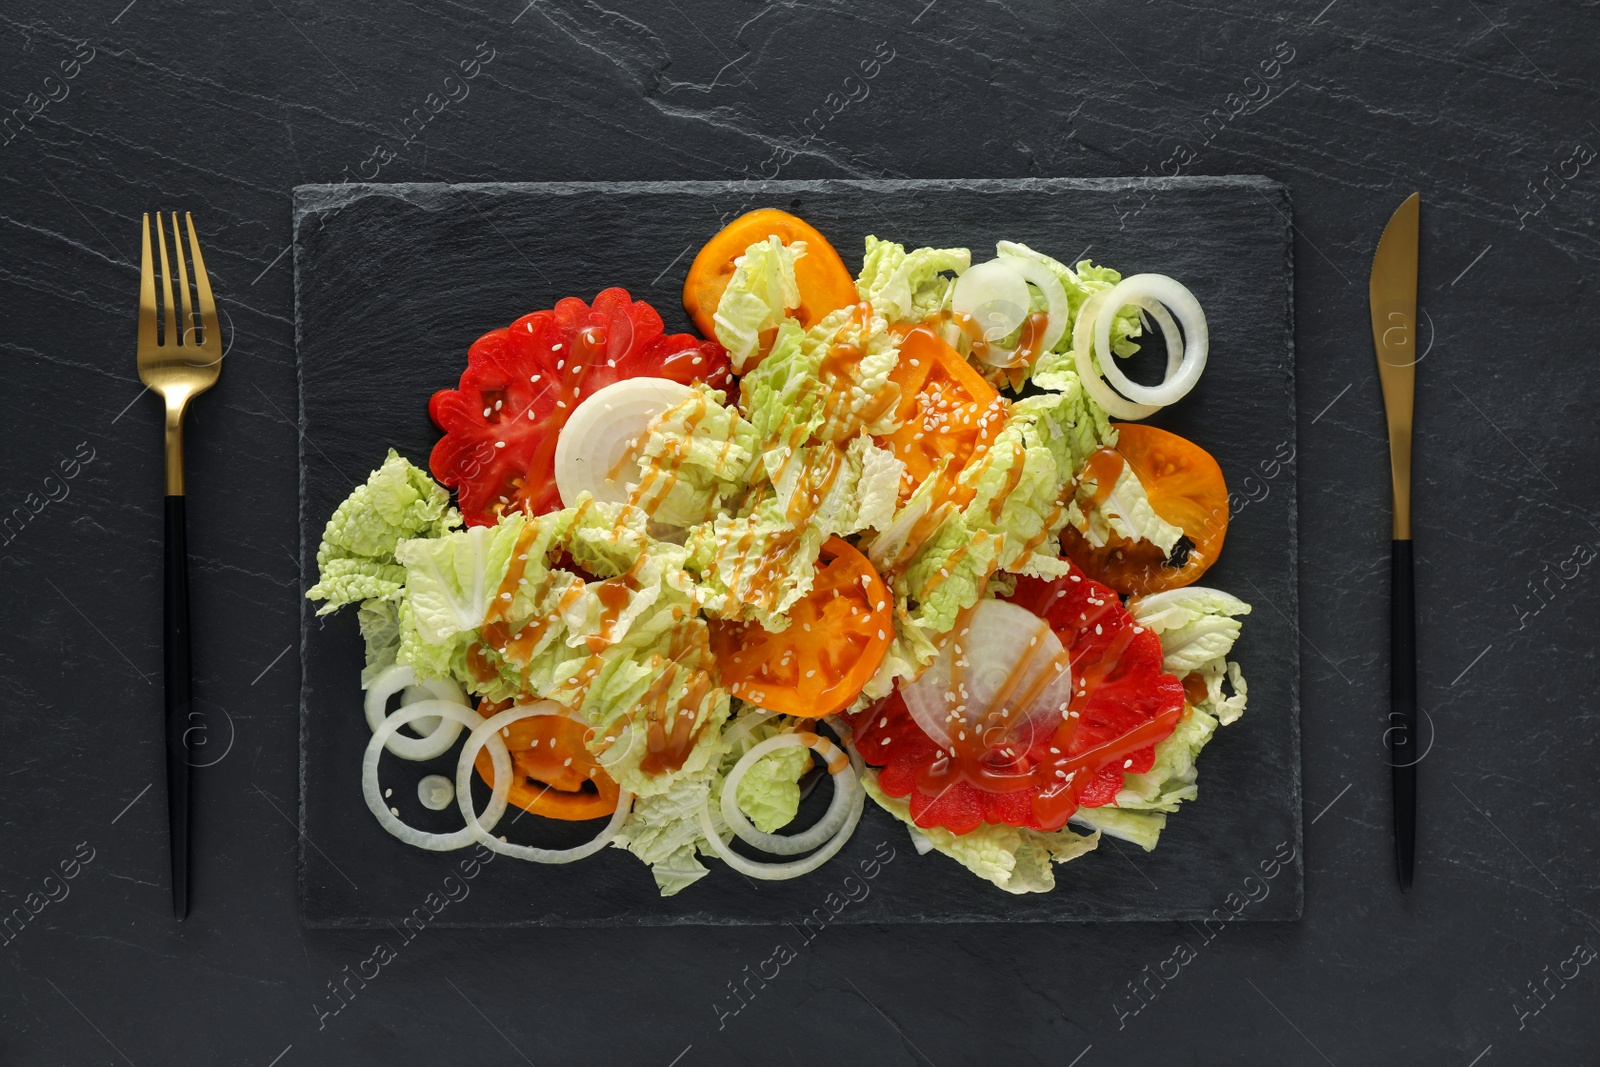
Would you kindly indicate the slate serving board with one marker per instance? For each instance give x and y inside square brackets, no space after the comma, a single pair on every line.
[393,282]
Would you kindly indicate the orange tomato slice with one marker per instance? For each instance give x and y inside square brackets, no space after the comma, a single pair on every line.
[1185,487]
[947,411]
[835,641]
[826,284]
[555,774]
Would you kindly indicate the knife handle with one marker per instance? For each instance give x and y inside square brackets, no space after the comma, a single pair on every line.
[176,670]
[1402,730]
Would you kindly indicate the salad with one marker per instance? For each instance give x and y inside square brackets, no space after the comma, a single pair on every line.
[874,527]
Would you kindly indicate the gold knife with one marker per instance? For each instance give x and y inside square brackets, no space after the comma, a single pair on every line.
[1392,296]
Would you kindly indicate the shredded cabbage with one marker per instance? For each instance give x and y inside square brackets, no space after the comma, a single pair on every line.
[356,560]
[759,296]
[1016,859]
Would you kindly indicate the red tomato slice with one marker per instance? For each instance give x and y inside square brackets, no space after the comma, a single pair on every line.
[500,424]
[1123,703]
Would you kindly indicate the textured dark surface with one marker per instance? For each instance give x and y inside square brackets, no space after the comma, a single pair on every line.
[224,108]
[368,362]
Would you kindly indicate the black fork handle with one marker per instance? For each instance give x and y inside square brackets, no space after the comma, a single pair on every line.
[1403,754]
[176,661]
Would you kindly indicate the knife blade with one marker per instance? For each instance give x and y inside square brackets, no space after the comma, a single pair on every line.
[1392,299]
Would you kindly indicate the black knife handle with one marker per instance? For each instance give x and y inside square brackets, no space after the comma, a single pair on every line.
[1403,738]
[176,662]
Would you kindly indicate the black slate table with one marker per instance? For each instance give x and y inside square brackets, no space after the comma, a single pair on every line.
[113,108]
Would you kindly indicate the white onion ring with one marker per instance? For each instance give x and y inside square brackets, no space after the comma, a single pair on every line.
[1146,291]
[994,295]
[808,839]
[428,723]
[1059,311]
[488,732]
[1089,374]
[434,742]
[597,447]
[461,715]
[776,872]
[1003,647]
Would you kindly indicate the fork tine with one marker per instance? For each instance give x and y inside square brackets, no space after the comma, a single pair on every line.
[147,291]
[202,285]
[166,287]
[186,324]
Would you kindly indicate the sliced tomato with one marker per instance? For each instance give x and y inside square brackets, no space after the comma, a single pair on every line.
[555,775]
[1185,487]
[500,423]
[826,284]
[946,413]
[835,641]
[1122,705]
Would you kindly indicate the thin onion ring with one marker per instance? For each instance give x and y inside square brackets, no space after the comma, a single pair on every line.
[994,296]
[776,872]
[488,732]
[433,743]
[1038,275]
[463,716]
[810,838]
[1089,374]
[1144,290]
[428,723]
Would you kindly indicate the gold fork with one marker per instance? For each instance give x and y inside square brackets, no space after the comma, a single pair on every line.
[179,361]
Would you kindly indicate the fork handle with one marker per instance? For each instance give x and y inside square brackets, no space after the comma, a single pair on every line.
[176,649]
[1402,730]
